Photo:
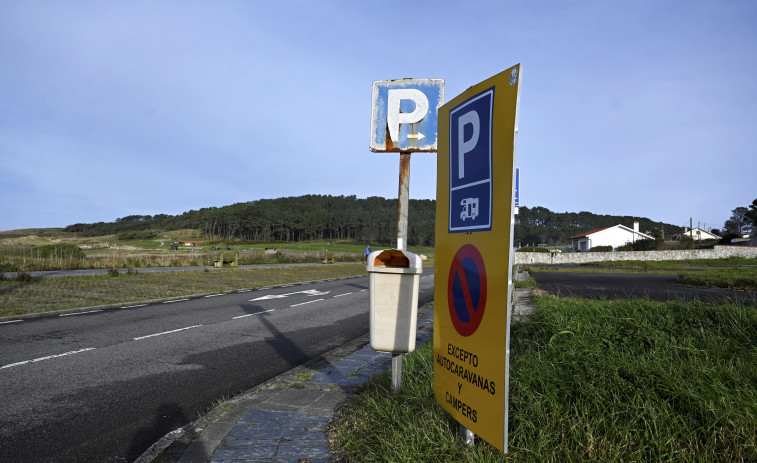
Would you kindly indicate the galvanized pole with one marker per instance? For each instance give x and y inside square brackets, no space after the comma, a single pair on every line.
[468,436]
[404,200]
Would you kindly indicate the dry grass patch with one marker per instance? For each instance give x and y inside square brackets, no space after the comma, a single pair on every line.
[51,294]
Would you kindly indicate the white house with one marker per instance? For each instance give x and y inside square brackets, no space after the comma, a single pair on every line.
[698,234]
[614,236]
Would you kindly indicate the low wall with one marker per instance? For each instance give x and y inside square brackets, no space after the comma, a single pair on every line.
[720,252]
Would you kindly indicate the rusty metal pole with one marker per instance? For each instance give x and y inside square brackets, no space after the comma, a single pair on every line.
[404,200]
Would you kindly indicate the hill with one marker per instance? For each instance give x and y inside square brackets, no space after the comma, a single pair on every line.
[348,218]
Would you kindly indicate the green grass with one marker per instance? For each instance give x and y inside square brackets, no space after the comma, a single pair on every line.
[667,264]
[744,278]
[632,380]
[51,294]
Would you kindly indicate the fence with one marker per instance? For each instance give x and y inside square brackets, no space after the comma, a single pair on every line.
[719,252]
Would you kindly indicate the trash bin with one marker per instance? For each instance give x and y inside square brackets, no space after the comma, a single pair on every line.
[393,280]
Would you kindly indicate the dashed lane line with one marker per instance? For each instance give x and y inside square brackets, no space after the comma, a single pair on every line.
[10,321]
[49,357]
[166,332]
[340,295]
[251,314]
[308,302]
[79,313]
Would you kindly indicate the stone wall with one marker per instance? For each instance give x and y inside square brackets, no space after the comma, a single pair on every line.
[720,252]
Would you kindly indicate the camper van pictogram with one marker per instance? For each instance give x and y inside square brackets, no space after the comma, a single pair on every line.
[470,209]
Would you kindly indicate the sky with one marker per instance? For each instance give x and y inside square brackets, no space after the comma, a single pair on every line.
[109,109]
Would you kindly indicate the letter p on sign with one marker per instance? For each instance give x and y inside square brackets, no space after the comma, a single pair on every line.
[395,117]
[404,114]
[466,145]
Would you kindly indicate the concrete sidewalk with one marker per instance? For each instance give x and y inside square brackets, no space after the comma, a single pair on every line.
[283,420]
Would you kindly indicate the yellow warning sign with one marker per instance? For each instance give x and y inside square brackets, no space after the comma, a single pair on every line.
[473,271]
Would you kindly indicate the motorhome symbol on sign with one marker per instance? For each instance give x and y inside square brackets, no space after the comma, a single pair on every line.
[470,209]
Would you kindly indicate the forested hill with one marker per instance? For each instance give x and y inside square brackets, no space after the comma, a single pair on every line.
[341,218]
[540,225]
[301,218]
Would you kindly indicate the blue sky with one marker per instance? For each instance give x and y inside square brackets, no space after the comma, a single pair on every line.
[108,109]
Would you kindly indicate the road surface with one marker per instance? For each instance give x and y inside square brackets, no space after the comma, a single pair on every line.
[624,285]
[104,386]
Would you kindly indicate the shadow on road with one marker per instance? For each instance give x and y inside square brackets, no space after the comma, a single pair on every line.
[167,418]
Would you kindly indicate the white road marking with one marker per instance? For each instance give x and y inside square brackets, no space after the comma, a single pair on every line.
[309,292]
[251,314]
[10,321]
[303,303]
[47,357]
[133,306]
[213,295]
[175,300]
[79,313]
[340,295]
[166,332]
[363,290]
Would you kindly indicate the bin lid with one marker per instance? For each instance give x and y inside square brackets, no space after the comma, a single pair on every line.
[394,261]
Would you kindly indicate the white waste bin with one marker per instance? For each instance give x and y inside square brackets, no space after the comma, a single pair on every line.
[394,277]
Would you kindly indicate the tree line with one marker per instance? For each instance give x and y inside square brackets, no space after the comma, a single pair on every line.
[348,218]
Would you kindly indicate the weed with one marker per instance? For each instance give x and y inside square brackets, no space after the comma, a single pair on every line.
[22,277]
[113,272]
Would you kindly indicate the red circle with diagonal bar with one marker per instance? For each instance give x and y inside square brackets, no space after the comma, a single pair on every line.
[466,290]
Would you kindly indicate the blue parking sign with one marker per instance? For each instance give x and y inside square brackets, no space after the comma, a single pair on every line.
[470,164]
[404,115]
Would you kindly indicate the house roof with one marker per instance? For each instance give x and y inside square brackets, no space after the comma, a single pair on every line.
[590,232]
[582,235]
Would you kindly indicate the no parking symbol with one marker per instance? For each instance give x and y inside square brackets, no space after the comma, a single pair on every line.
[466,290]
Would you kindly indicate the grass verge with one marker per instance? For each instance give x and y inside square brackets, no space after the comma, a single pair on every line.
[666,264]
[51,294]
[743,278]
[632,380]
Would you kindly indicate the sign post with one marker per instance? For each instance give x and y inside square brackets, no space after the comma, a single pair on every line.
[404,120]
[474,233]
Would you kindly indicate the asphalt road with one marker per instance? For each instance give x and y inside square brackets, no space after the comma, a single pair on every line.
[626,285]
[104,386]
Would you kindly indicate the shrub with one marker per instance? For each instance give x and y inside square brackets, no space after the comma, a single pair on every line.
[532,249]
[645,245]
[138,235]
[607,248]
[625,247]
[22,276]
[60,251]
